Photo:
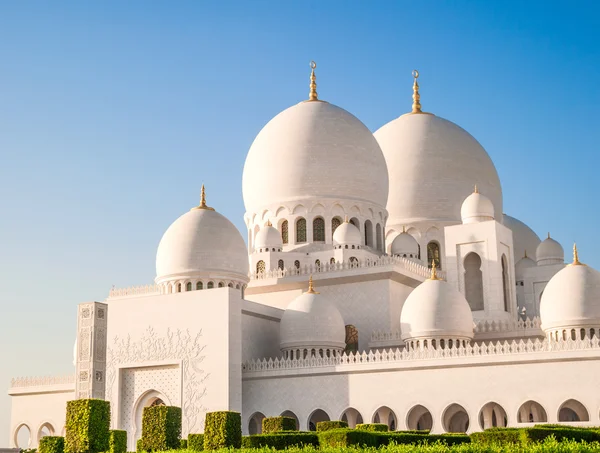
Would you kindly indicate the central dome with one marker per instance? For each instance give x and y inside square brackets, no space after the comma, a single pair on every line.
[310,151]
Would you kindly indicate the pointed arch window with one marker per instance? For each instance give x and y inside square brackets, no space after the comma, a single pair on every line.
[332,261]
[335,222]
[318,264]
[199,285]
[433,254]
[318,230]
[369,233]
[301,230]
[473,281]
[280,265]
[188,286]
[379,237]
[260,267]
[505,283]
[210,285]
[178,287]
[351,339]
[284,231]
[297,264]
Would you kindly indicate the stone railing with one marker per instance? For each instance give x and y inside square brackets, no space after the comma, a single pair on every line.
[37,381]
[134,291]
[397,355]
[508,326]
[310,269]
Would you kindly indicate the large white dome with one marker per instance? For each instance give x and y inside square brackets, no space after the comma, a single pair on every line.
[312,321]
[435,309]
[571,299]
[524,238]
[201,243]
[433,165]
[310,151]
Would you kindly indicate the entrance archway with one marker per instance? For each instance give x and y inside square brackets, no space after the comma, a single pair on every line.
[492,415]
[573,411]
[291,415]
[531,412]
[386,416]
[455,419]
[46,429]
[317,416]
[255,423]
[22,436]
[419,418]
[147,399]
[352,417]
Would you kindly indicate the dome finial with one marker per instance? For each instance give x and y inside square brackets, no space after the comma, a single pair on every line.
[345,219]
[312,96]
[269,223]
[433,271]
[475,190]
[203,204]
[576,261]
[416,107]
[404,228]
[311,289]
[548,234]
[525,256]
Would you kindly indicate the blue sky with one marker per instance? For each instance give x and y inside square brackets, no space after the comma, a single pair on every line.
[112,114]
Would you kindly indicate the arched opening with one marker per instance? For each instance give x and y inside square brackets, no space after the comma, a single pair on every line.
[419,418]
[178,287]
[280,265]
[455,419]
[230,285]
[284,232]
[210,285]
[255,423]
[291,415]
[354,221]
[386,416]
[379,238]
[505,286]
[260,267]
[351,339]
[318,229]
[199,285]
[369,234]
[531,412]
[297,264]
[317,416]
[353,261]
[335,222]
[301,230]
[433,254]
[45,430]
[221,284]
[352,417]
[332,261]
[473,281]
[151,398]
[573,411]
[318,265]
[188,286]
[492,415]
[22,437]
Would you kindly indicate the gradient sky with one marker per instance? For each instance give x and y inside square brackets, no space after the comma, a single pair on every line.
[112,114]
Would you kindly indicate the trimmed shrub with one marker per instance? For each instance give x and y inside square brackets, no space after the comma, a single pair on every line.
[409,438]
[183,444]
[161,428]
[378,427]
[139,445]
[52,444]
[195,442]
[346,437]
[222,430]
[117,441]
[500,436]
[281,440]
[278,424]
[560,433]
[87,426]
[334,424]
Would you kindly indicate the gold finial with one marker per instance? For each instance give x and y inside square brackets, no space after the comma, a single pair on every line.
[312,96]
[548,234]
[433,271]
[475,190]
[576,261]
[345,219]
[311,289]
[203,201]
[404,228]
[416,107]
[269,223]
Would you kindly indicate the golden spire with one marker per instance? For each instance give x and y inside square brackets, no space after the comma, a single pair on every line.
[416,107]
[312,96]
[345,219]
[202,204]
[269,223]
[311,289]
[404,228]
[548,234]
[433,271]
[475,190]
[576,261]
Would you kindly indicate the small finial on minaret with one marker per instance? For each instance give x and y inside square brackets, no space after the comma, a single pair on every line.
[548,234]
[203,201]
[525,256]
[312,96]
[269,223]
[311,289]
[345,219]
[404,228]
[416,107]
[433,271]
[576,261]
[475,190]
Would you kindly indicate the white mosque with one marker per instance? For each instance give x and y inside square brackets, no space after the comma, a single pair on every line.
[395,291]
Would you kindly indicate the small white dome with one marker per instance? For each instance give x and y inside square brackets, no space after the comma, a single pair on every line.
[549,252]
[310,152]
[522,264]
[571,299]
[346,234]
[476,208]
[524,238]
[405,245]
[312,321]
[201,243]
[432,165]
[268,238]
[435,309]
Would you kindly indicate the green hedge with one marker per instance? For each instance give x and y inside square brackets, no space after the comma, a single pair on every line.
[334,424]
[560,433]
[117,441]
[222,430]
[281,440]
[346,437]
[409,438]
[183,445]
[52,444]
[378,427]
[139,445]
[278,424]
[195,442]
[87,426]
[500,436]
[161,428]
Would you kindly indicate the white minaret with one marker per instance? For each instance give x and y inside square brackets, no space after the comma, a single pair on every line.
[480,260]
[90,379]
